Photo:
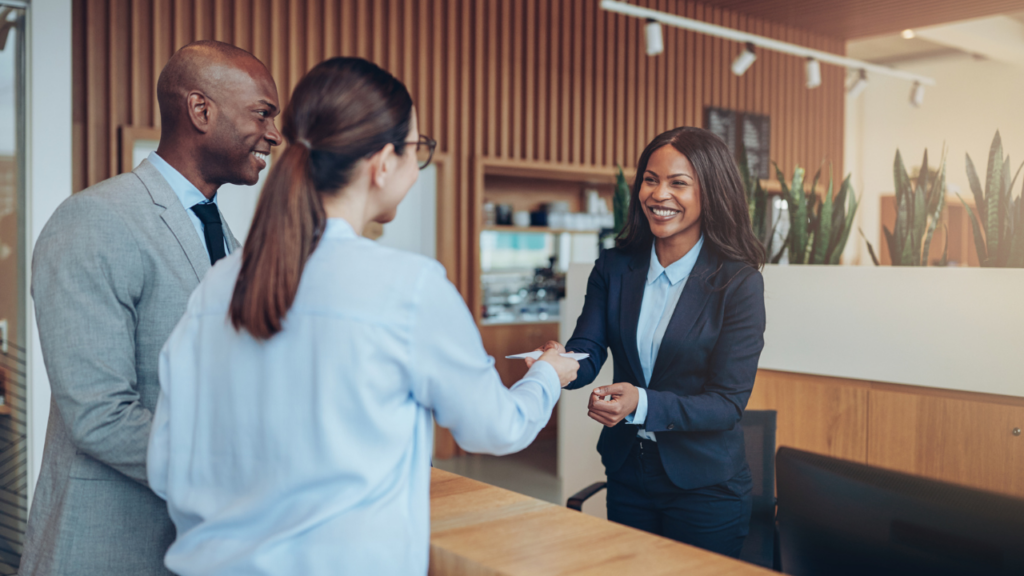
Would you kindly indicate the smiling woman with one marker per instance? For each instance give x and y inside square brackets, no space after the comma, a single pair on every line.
[680,303]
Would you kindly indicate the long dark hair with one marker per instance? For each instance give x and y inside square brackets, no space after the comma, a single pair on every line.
[342,111]
[725,219]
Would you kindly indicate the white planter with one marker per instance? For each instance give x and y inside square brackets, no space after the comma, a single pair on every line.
[953,328]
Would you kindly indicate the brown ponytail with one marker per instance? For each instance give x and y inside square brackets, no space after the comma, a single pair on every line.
[343,110]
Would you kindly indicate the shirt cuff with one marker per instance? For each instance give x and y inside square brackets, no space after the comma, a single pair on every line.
[544,372]
[639,416]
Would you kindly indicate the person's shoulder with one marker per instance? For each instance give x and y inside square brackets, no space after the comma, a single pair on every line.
[116,190]
[102,201]
[370,273]
[387,259]
[98,211]
[614,260]
[735,274]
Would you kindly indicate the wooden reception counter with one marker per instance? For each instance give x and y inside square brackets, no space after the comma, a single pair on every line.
[482,530]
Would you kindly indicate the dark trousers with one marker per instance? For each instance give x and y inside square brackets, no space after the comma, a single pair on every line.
[716,518]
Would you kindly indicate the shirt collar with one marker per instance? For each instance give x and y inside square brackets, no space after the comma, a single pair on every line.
[186,192]
[339,228]
[678,270]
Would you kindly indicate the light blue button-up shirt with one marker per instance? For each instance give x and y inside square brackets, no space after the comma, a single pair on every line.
[661,294]
[187,193]
[310,453]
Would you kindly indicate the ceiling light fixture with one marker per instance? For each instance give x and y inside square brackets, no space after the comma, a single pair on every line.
[917,95]
[857,87]
[762,42]
[813,73]
[908,34]
[652,33]
[745,60]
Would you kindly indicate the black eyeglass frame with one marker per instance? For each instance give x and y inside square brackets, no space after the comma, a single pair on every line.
[424,141]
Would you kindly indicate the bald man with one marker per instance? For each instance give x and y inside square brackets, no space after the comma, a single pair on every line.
[112,273]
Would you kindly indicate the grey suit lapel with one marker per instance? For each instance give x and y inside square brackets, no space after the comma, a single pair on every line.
[175,217]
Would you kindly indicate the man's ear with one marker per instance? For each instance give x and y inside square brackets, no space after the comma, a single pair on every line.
[381,165]
[200,110]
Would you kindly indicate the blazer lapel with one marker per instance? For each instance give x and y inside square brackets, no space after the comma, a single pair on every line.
[175,217]
[691,304]
[633,283]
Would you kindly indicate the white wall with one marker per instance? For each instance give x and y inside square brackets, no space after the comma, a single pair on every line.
[49,174]
[415,227]
[972,99]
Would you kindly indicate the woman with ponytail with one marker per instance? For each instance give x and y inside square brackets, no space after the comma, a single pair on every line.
[293,432]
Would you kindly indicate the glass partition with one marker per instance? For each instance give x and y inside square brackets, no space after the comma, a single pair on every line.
[13,297]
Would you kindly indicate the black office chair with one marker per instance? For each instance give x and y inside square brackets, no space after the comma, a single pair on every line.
[761,544]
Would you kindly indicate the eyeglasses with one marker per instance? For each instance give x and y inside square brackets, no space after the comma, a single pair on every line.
[425,147]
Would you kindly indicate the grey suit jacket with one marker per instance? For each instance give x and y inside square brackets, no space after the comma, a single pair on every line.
[111,276]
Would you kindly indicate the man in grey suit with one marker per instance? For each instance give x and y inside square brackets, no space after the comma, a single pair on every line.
[111,276]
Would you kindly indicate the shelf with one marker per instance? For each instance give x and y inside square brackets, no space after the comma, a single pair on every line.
[552,171]
[542,229]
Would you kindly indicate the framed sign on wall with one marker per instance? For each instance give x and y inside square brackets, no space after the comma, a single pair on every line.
[743,131]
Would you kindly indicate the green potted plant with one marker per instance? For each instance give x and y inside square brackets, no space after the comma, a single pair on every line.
[818,229]
[919,206]
[998,218]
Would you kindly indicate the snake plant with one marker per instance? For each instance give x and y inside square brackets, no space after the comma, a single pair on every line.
[818,229]
[757,202]
[919,208]
[998,220]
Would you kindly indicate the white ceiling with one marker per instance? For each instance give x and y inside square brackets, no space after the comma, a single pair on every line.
[994,37]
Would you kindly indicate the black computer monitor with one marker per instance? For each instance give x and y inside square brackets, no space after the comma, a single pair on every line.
[838,517]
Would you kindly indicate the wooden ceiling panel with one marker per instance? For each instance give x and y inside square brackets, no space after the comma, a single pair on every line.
[848,19]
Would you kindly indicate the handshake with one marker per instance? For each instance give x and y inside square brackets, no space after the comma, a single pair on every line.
[609,405]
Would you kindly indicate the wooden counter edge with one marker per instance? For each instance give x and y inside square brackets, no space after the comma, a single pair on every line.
[482,530]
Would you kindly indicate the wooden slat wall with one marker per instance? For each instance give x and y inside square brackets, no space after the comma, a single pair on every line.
[542,80]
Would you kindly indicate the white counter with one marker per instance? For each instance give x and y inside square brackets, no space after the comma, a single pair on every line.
[952,328]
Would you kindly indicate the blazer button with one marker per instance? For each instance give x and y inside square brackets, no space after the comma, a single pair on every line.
[670,427]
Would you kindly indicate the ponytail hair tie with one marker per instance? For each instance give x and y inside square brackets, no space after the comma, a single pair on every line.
[305,143]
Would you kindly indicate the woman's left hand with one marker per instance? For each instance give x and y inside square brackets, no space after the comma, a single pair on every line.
[624,398]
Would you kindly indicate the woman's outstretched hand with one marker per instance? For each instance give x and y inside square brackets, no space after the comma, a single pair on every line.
[565,367]
[624,398]
[549,345]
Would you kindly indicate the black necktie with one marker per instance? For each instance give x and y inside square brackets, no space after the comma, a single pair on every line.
[212,230]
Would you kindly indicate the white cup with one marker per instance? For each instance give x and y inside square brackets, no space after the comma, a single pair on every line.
[521,218]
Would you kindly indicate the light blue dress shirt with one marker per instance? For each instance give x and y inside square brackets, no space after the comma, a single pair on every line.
[187,193]
[661,294]
[310,453]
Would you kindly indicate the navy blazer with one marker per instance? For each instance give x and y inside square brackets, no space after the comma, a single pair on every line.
[704,371]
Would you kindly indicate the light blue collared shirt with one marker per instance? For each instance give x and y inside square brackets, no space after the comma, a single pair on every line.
[187,193]
[664,286]
[309,453]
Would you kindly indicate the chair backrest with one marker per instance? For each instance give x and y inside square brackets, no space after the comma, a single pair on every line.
[759,437]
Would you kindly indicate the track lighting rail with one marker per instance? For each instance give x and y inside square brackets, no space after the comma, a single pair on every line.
[759,41]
